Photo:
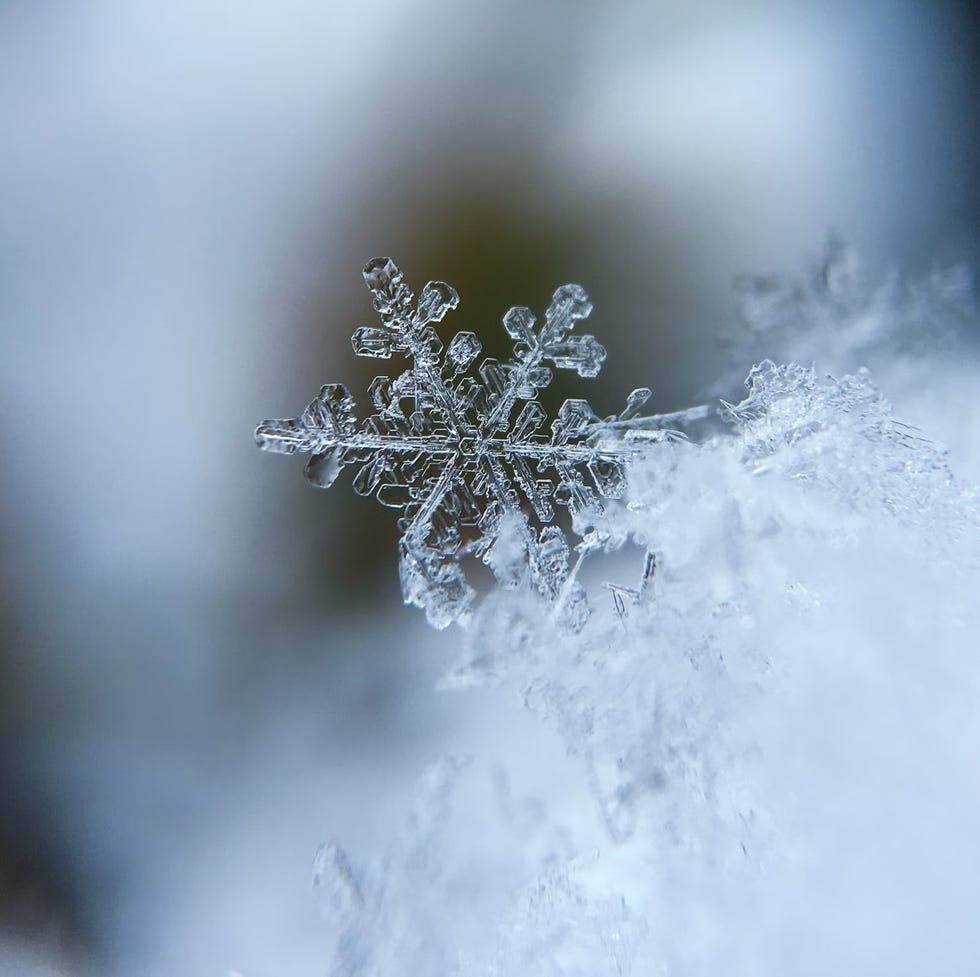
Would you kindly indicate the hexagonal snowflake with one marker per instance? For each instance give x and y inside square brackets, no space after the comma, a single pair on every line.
[466,455]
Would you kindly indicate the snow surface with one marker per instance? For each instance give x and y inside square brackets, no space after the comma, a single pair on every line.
[779,741]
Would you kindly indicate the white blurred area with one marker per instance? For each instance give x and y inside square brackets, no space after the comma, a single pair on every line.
[200,676]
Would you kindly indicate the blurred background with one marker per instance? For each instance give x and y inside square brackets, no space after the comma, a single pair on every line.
[205,669]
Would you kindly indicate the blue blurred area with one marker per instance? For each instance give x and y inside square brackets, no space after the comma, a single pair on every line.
[205,668]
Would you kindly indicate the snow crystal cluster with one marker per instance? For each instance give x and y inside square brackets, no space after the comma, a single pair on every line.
[778,729]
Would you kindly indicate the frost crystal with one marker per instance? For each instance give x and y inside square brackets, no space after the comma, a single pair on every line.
[796,707]
[463,455]
[525,915]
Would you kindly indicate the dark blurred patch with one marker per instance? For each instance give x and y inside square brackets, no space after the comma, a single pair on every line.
[966,53]
[36,897]
[40,899]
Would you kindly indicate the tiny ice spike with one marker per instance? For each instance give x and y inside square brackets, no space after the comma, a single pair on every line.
[462,455]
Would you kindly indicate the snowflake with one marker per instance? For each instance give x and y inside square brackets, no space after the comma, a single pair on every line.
[467,458]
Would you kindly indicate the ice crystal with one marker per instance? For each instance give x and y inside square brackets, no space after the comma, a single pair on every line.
[811,466]
[526,915]
[841,318]
[463,450]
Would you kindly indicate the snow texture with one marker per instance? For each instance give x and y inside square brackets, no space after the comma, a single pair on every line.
[461,456]
[778,734]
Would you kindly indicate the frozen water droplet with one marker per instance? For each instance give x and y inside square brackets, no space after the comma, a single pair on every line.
[322,469]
